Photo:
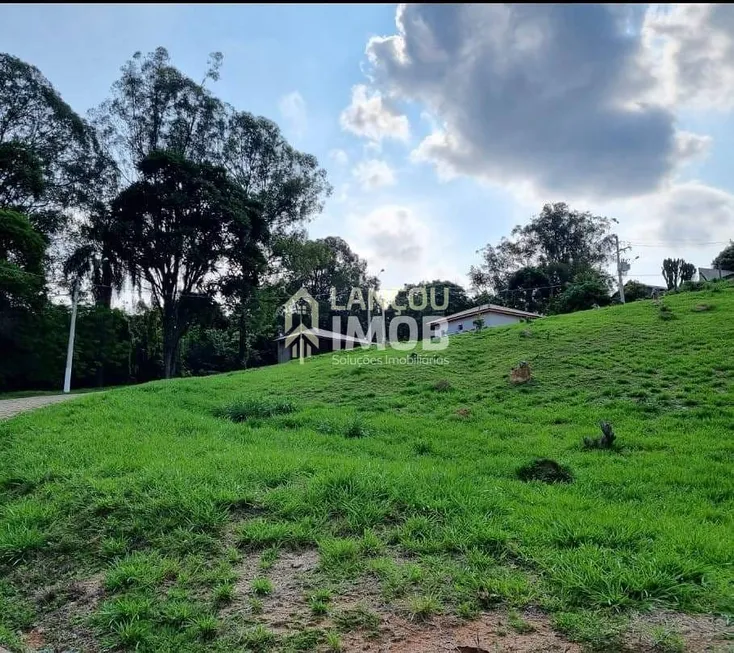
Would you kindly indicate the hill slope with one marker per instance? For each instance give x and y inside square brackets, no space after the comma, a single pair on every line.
[401,477]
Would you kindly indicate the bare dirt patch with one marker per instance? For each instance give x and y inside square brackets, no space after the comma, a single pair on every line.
[64,611]
[698,632]
[358,611]
[489,633]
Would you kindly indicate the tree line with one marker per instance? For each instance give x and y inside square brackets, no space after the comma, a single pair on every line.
[199,209]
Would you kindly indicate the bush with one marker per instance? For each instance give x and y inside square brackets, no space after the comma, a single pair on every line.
[356,430]
[604,441]
[442,385]
[665,312]
[545,470]
[244,409]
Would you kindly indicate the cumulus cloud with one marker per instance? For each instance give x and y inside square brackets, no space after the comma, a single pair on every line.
[293,109]
[692,213]
[555,95]
[373,174]
[370,115]
[406,244]
[694,48]
[340,157]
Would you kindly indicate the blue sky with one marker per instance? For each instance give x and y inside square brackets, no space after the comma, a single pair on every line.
[443,130]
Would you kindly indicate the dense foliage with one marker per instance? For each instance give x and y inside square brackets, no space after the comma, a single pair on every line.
[558,248]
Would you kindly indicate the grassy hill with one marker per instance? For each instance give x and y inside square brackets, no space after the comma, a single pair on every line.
[399,480]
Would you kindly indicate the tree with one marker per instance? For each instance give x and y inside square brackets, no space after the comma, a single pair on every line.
[94,256]
[676,271]
[458,300]
[170,230]
[50,158]
[21,175]
[22,250]
[155,107]
[289,185]
[587,289]
[318,266]
[246,262]
[725,259]
[543,257]
[635,290]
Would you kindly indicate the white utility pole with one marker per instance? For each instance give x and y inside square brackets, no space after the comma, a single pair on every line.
[619,269]
[70,347]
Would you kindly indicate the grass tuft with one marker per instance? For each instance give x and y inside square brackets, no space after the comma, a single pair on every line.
[262,586]
[251,408]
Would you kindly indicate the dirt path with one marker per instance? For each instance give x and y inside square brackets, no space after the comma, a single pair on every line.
[12,407]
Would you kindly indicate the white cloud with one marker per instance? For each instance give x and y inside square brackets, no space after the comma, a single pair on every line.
[373,174]
[690,213]
[370,115]
[293,109]
[407,245]
[693,46]
[558,96]
[340,157]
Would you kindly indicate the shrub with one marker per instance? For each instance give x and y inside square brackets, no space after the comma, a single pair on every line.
[545,470]
[356,430]
[604,441]
[665,312]
[442,385]
[244,409]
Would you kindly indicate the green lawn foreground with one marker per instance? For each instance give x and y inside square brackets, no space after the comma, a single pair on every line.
[403,474]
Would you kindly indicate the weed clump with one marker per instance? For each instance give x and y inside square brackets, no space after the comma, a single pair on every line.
[442,385]
[665,312]
[545,470]
[422,447]
[244,409]
[604,441]
[356,429]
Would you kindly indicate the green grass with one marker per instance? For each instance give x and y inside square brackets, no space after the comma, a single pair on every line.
[403,474]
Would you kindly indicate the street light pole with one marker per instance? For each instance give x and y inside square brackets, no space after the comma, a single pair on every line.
[70,346]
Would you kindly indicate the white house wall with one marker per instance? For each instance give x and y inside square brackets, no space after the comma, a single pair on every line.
[490,320]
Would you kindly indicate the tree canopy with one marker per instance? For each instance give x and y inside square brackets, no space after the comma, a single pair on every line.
[542,257]
[50,159]
[675,271]
[725,258]
[22,250]
[170,230]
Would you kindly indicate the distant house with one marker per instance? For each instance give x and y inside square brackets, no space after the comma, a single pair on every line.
[712,274]
[490,314]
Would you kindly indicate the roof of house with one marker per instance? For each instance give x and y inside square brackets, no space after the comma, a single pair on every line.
[710,274]
[645,285]
[486,308]
[323,333]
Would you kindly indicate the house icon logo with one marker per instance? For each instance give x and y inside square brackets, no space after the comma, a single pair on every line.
[301,340]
